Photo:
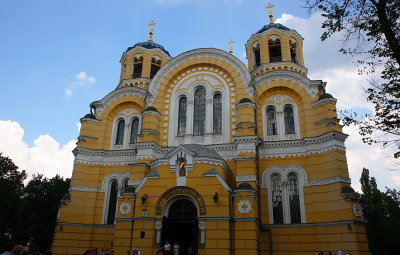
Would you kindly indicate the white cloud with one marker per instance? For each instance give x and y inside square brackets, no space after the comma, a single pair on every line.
[83,78]
[78,125]
[46,157]
[68,92]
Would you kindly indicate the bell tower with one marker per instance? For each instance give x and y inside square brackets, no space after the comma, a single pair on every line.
[275,47]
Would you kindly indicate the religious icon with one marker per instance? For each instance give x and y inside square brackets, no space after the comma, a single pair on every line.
[182,164]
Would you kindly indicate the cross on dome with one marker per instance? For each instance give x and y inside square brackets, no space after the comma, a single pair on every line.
[231,42]
[271,14]
[151,31]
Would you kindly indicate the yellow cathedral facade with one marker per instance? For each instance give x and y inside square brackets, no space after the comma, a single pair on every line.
[220,157]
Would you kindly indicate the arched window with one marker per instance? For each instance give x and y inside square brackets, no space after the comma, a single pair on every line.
[134,130]
[182,116]
[119,139]
[271,121]
[217,114]
[274,46]
[277,199]
[199,116]
[112,202]
[137,66]
[289,120]
[256,54]
[293,50]
[294,200]
[155,66]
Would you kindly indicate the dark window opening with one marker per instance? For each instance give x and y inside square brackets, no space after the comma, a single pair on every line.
[137,66]
[275,53]
[271,121]
[294,200]
[155,66]
[293,51]
[199,117]
[289,120]
[112,202]
[217,114]
[182,116]
[120,132]
[134,130]
[257,55]
[277,199]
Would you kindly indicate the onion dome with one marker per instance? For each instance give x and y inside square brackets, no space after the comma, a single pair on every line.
[245,100]
[149,45]
[245,186]
[325,96]
[269,26]
[89,116]
[151,109]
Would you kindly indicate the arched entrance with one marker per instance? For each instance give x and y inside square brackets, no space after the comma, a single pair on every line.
[180,225]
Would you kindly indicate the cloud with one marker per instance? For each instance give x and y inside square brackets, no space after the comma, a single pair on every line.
[46,156]
[78,125]
[83,78]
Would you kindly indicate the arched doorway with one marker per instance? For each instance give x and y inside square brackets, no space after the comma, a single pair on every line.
[180,225]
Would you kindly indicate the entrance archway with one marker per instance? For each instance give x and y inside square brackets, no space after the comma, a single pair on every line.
[180,225]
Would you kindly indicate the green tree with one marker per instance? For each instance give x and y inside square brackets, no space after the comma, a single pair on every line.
[382,215]
[11,189]
[39,209]
[371,33]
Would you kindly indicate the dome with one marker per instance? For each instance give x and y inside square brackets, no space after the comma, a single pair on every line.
[245,100]
[151,109]
[245,186]
[149,45]
[269,26]
[89,116]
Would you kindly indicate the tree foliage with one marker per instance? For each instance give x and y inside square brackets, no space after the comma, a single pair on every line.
[28,212]
[382,215]
[371,33]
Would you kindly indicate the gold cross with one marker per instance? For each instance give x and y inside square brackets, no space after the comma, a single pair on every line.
[271,14]
[151,32]
[230,46]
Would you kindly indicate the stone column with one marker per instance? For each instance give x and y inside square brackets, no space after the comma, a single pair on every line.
[202,227]
[158,227]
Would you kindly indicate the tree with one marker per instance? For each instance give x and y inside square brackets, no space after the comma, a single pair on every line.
[11,189]
[382,215]
[371,32]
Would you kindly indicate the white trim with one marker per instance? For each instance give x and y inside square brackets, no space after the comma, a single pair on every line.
[128,115]
[221,180]
[284,171]
[176,198]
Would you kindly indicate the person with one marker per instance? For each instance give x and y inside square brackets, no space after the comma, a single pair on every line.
[9,246]
[167,247]
[340,252]
[18,250]
[176,248]
[161,251]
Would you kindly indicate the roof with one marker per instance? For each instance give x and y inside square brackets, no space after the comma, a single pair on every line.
[325,95]
[149,45]
[202,151]
[245,100]
[151,109]
[269,26]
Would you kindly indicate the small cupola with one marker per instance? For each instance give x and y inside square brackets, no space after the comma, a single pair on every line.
[142,61]
[275,47]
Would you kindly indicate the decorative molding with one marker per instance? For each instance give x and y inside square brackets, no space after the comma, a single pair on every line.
[324,101]
[249,104]
[329,181]
[221,180]
[140,48]
[104,157]
[274,30]
[114,95]
[246,178]
[89,120]
[311,86]
[133,81]
[124,208]
[357,210]
[200,53]
[84,189]
[302,147]
[134,182]
[120,177]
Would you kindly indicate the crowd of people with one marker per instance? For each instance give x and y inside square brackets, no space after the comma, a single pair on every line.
[16,249]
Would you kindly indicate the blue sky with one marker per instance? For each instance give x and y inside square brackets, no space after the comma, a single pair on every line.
[56,57]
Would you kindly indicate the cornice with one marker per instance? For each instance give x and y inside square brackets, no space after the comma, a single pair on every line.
[199,53]
[324,101]
[104,157]
[302,147]
[134,82]
[311,86]
[114,95]
[140,48]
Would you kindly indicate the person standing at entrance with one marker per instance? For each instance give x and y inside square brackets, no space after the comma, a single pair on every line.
[167,247]
[176,248]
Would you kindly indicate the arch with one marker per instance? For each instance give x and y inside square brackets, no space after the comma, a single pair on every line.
[199,112]
[137,66]
[274,48]
[256,54]
[217,54]
[272,128]
[288,115]
[155,65]
[177,193]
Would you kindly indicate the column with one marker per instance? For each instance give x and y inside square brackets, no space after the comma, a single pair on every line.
[158,227]
[202,227]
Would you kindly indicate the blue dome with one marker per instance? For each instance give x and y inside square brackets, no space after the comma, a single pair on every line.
[268,26]
[149,45]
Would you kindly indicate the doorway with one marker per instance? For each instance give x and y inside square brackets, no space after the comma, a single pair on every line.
[181,226]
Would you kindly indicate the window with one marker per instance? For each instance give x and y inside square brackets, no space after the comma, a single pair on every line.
[274,46]
[277,207]
[155,66]
[257,54]
[137,66]
[271,121]
[182,116]
[112,202]
[134,130]
[293,50]
[119,139]
[199,116]
[217,114]
[289,120]
[294,201]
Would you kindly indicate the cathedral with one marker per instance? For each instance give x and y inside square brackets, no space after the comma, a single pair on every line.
[215,155]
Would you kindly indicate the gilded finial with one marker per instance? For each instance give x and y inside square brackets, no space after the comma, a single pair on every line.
[271,14]
[151,32]
[230,46]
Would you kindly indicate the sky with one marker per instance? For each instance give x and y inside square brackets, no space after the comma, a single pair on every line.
[56,57]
